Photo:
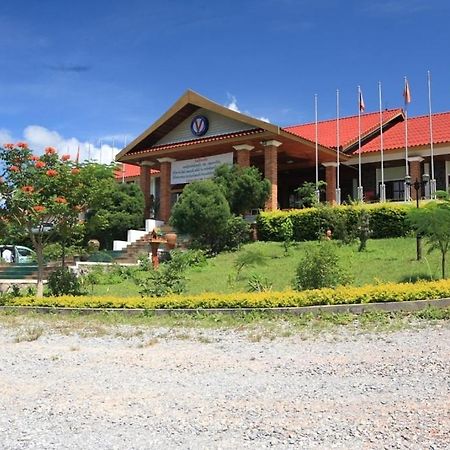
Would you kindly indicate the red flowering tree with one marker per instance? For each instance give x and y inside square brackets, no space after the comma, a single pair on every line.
[37,190]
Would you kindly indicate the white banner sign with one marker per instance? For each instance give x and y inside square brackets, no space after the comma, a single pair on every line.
[199,168]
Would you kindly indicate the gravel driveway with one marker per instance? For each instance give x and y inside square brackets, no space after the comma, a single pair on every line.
[162,389]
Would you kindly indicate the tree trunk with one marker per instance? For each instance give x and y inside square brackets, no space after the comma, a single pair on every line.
[443,265]
[40,276]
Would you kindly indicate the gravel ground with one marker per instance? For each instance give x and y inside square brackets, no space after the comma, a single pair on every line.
[218,389]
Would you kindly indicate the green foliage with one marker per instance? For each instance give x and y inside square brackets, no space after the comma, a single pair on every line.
[363,230]
[63,281]
[258,283]
[243,187]
[390,292]
[287,233]
[248,258]
[433,222]
[47,188]
[307,193]
[320,267]
[203,212]
[118,209]
[236,233]
[385,220]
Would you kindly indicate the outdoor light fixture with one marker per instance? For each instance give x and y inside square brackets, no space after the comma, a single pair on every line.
[418,186]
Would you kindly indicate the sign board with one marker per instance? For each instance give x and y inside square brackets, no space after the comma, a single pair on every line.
[199,168]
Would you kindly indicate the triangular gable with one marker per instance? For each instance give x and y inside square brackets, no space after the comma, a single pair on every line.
[174,125]
[218,125]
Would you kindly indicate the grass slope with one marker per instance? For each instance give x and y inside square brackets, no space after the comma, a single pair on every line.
[385,260]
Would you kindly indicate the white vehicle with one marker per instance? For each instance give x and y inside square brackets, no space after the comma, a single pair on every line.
[17,254]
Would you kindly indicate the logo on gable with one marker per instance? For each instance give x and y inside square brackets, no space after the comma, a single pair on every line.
[199,125]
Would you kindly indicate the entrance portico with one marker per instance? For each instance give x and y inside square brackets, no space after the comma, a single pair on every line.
[196,135]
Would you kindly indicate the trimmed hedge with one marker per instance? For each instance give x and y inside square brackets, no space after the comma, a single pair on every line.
[385,220]
[389,292]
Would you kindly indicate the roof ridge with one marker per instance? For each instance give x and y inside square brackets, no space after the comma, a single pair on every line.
[342,118]
[422,116]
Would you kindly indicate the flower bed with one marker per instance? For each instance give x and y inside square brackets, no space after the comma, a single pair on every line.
[342,295]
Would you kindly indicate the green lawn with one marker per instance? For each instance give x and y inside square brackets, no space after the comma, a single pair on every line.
[384,260]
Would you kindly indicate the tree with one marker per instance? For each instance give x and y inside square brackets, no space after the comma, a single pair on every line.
[201,211]
[307,193]
[37,190]
[243,187]
[433,222]
[119,208]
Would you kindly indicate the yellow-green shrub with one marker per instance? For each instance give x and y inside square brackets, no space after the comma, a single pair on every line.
[385,220]
[390,292]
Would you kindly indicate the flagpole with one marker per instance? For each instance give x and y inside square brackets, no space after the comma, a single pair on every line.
[338,188]
[360,194]
[432,180]
[317,149]
[89,152]
[123,164]
[407,187]
[382,185]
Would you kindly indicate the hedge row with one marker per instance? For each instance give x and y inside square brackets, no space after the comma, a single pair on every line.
[342,295]
[385,221]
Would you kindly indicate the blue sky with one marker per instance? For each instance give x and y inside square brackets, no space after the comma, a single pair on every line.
[93,71]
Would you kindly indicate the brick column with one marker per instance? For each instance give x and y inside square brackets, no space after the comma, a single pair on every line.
[330,178]
[164,195]
[243,154]
[415,171]
[271,172]
[144,182]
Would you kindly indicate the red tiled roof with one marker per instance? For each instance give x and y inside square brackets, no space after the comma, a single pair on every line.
[201,141]
[130,171]
[348,128]
[418,133]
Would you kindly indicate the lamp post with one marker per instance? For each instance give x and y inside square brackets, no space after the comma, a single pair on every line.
[418,186]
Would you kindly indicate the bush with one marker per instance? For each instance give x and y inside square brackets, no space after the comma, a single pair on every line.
[385,221]
[63,282]
[201,211]
[390,292]
[236,233]
[320,268]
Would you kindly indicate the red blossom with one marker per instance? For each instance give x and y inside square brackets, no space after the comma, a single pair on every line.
[65,157]
[2,180]
[75,171]
[8,146]
[22,145]
[14,169]
[60,200]
[50,151]
[39,164]
[33,158]
[27,189]
[39,208]
[51,173]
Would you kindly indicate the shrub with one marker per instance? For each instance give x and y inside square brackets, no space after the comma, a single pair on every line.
[63,282]
[385,221]
[236,233]
[201,211]
[320,268]
[389,292]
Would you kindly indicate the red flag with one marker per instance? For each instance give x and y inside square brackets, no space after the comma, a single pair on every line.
[362,106]
[407,93]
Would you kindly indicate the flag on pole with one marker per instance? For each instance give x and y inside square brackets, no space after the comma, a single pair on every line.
[407,93]
[362,105]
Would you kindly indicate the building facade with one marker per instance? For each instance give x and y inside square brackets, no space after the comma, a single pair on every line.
[196,135]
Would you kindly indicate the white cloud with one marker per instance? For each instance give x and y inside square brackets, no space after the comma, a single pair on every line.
[38,138]
[5,136]
[233,105]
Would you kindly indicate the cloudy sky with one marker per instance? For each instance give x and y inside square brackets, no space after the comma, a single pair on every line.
[96,73]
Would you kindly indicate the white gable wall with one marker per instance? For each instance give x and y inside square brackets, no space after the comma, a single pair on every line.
[218,125]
